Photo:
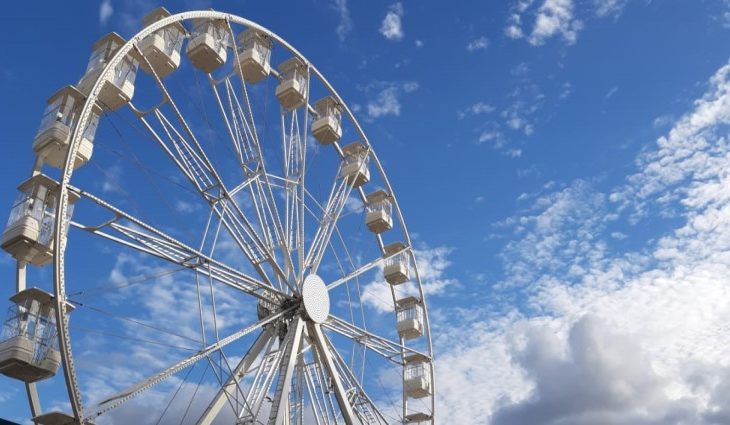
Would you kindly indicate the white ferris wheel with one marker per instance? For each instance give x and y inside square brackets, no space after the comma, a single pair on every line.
[224,256]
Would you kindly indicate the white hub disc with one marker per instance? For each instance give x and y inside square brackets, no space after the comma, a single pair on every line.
[316,298]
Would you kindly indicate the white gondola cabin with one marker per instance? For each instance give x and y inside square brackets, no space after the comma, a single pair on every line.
[418,418]
[161,48]
[379,212]
[31,227]
[29,346]
[397,268]
[327,127]
[119,88]
[292,88]
[417,376]
[355,164]
[409,318]
[254,55]
[52,140]
[207,47]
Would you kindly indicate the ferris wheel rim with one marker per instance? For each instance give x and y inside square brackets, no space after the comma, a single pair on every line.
[61,219]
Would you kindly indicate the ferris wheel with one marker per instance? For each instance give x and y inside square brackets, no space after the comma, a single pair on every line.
[220,240]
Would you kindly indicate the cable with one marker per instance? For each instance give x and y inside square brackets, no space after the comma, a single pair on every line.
[169,403]
[197,387]
[125,283]
[129,319]
[96,331]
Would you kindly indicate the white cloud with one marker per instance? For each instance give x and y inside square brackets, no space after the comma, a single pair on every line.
[514,153]
[112,182]
[386,100]
[344,27]
[588,380]
[105,12]
[187,207]
[555,17]
[477,108]
[432,265]
[513,30]
[609,7]
[169,303]
[653,347]
[612,91]
[410,86]
[392,27]
[385,103]
[480,43]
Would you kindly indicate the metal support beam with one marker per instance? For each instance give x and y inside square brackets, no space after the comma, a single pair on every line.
[280,409]
[33,400]
[229,389]
[323,350]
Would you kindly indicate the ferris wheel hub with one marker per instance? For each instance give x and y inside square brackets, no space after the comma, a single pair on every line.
[315,298]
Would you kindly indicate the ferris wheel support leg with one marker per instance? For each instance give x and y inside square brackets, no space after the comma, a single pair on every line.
[280,407]
[323,350]
[229,388]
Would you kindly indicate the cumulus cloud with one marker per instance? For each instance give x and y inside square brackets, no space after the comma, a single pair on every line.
[385,97]
[578,331]
[588,380]
[392,27]
[555,17]
[539,22]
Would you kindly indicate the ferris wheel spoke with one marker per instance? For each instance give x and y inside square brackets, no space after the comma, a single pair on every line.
[192,162]
[280,405]
[391,350]
[317,404]
[303,172]
[325,356]
[230,391]
[363,405]
[332,210]
[242,131]
[189,155]
[147,239]
[132,391]
[249,125]
[358,272]
[294,148]
[267,368]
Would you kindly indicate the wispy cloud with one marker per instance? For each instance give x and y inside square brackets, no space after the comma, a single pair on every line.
[105,12]
[609,7]
[586,307]
[392,26]
[477,108]
[480,43]
[344,27]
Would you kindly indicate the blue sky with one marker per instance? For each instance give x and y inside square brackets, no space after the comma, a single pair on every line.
[561,166]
